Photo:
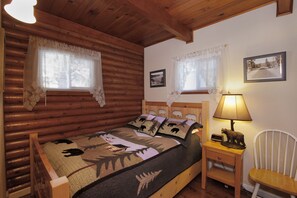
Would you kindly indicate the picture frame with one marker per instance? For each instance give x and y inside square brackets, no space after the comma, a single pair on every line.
[265,68]
[158,78]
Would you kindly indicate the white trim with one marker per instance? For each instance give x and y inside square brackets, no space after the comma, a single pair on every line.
[261,193]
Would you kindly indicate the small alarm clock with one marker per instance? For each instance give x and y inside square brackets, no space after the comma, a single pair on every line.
[217,137]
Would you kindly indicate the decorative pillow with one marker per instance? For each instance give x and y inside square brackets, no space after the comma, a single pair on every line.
[178,128]
[198,132]
[141,119]
[151,127]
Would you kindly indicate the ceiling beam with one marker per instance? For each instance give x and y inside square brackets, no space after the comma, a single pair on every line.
[284,7]
[160,16]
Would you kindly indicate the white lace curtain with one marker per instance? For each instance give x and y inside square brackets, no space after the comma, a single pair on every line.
[200,70]
[53,65]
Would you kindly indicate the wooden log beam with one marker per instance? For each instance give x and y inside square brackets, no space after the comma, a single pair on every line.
[65,105]
[49,122]
[14,163]
[17,188]
[50,134]
[9,60]
[158,15]
[13,71]
[16,172]
[21,116]
[17,153]
[18,180]
[284,7]
[14,42]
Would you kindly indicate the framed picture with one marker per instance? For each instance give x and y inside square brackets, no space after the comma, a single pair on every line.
[158,78]
[265,68]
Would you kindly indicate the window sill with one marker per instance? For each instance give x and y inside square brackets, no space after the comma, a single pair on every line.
[195,92]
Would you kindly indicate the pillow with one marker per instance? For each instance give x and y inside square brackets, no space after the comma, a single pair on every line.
[198,132]
[151,127]
[184,142]
[178,128]
[140,120]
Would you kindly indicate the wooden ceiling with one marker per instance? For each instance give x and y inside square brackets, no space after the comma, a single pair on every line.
[147,22]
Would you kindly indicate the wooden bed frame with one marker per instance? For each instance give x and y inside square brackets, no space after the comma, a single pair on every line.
[46,183]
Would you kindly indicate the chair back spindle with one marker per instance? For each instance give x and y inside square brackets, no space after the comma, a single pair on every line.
[275,150]
[275,162]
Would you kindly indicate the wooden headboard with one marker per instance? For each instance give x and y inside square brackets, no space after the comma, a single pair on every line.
[181,110]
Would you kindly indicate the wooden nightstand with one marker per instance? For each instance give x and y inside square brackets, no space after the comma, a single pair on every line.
[215,152]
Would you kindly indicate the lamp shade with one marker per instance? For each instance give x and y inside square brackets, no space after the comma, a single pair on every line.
[22,10]
[232,107]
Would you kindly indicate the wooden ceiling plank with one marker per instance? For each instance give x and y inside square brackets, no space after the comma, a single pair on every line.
[156,38]
[136,26]
[161,16]
[54,21]
[90,14]
[140,33]
[97,21]
[72,7]
[284,7]
[58,6]
[199,9]
[82,11]
[233,9]
[115,22]
[190,5]
[107,16]
[45,5]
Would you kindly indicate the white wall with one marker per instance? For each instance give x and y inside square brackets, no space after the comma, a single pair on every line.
[271,104]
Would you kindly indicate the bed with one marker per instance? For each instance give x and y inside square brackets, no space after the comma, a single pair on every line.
[46,182]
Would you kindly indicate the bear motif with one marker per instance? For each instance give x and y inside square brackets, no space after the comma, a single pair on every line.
[72,152]
[234,137]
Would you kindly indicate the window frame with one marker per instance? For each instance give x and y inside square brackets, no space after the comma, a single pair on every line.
[199,90]
[75,89]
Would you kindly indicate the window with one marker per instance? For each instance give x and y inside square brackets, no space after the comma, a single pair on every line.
[51,65]
[197,74]
[63,70]
[200,71]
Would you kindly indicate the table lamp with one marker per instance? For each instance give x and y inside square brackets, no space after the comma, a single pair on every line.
[232,107]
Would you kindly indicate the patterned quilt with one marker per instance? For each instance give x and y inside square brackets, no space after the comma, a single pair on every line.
[91,159]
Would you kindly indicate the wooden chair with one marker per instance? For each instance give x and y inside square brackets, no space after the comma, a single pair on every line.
[275,154]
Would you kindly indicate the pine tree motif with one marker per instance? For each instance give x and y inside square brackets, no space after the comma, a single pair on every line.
[92,146]
[145,178]
[153,127]
[96,135]
[111,160]
[183,123]
[148,142]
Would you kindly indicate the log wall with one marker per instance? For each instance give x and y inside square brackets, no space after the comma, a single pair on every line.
[66,113]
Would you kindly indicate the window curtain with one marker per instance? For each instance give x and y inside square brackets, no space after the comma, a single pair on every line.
[37,81]
[208,66]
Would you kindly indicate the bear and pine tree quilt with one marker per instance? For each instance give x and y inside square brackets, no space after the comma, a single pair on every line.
[88,160]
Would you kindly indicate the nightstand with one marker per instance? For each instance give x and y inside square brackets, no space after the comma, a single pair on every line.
[215,152]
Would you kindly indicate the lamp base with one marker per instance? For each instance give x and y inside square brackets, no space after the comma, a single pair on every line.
[234,139]
[234,146]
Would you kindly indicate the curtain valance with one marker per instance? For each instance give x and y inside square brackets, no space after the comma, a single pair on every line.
[51,65]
